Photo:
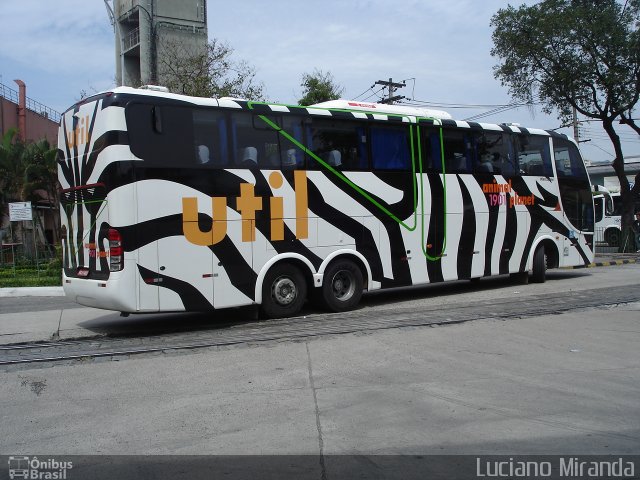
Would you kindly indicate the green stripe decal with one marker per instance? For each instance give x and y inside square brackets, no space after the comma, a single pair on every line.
[368,196]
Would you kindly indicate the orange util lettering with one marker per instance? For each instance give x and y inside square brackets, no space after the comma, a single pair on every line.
[302,204]
[71,138]
[276,206]
[247,204]
[80,132]
[191,229]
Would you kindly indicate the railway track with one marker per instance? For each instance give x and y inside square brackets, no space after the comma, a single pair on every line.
[368,319]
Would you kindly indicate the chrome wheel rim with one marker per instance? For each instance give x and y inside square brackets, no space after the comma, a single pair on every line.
[284,290]
[343,285]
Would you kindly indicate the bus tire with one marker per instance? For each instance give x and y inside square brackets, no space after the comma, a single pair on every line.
[539,270]
[342,286]
[612,237]
[284,291]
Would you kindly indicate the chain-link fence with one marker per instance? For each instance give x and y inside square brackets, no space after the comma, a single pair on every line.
[22,267]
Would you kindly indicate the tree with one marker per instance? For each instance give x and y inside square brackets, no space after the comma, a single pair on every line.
[208,72]
[41,178]
[575,54]
[28,172]
[319,87]
[12,165]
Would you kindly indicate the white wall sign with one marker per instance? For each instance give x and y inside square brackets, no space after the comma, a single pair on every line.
[19,211]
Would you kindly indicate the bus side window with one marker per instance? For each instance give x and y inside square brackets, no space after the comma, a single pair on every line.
[568,161]
[210,138]
[161,136]
[254,142]
[390,149]
[431,155]
[598,205]
[458,151]
[291,155]
[492,155]
[339,144]
[534,157]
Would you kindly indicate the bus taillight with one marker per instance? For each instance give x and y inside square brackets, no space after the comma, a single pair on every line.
[116,258]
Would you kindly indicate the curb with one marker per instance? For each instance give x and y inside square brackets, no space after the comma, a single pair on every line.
[31,292]
[607,264]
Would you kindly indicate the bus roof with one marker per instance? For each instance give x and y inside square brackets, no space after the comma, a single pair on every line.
[384,108]
[333,107]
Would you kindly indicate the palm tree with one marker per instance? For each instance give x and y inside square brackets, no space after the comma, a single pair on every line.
[28,172]
[41,178]
[11,171]
[12,164]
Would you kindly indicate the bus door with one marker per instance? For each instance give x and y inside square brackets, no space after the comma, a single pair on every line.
[176,272]
[233,275]
[575,195]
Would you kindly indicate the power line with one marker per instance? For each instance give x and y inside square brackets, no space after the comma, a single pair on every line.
[469,105]
[603,135]
[368,89]
[599,148]
[373,94]
[492,112]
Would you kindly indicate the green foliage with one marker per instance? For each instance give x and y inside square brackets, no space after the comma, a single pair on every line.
[28,172]
[29,280]
[25,272]
[582,54]
[211,72]
[570,53]
[319,87]
[12,166]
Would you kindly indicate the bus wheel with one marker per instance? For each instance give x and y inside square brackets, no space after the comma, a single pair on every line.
[342,286]
[284,291]
[612,237]
[539,266]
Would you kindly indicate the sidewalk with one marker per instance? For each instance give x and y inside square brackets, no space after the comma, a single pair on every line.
[25,319]
[31,292]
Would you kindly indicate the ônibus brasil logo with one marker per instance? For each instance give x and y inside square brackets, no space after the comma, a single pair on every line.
[34,468]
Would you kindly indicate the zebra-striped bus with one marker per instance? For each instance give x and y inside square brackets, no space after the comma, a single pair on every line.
[176,203]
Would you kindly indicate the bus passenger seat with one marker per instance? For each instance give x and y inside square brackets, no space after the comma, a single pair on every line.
[334,158]
[203,154]
[249,157]
[289,159]
[536,169]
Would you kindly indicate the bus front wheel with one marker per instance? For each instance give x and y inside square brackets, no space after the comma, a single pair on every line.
[539,272]
[284,291]
[342,286]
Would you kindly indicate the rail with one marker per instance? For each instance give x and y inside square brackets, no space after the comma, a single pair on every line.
[32,105]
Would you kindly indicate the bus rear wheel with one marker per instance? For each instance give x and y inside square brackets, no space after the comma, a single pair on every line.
[612,237]
[284,291]
[342,286]
[539,273]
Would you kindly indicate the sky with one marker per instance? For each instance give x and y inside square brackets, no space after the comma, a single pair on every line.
[440,48]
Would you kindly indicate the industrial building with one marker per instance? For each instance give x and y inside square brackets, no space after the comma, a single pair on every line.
[146,31]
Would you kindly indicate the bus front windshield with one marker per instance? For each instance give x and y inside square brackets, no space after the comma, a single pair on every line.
[575,188]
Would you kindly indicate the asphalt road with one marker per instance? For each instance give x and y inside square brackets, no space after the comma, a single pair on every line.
[480,368]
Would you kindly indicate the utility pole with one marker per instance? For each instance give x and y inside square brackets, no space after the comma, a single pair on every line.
[392,86]
[576,131]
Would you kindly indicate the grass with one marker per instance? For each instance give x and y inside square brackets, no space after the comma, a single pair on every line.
[29,277]
[26,274]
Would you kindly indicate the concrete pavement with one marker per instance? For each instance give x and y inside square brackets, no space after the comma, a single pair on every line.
[65,320]
[561,384]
